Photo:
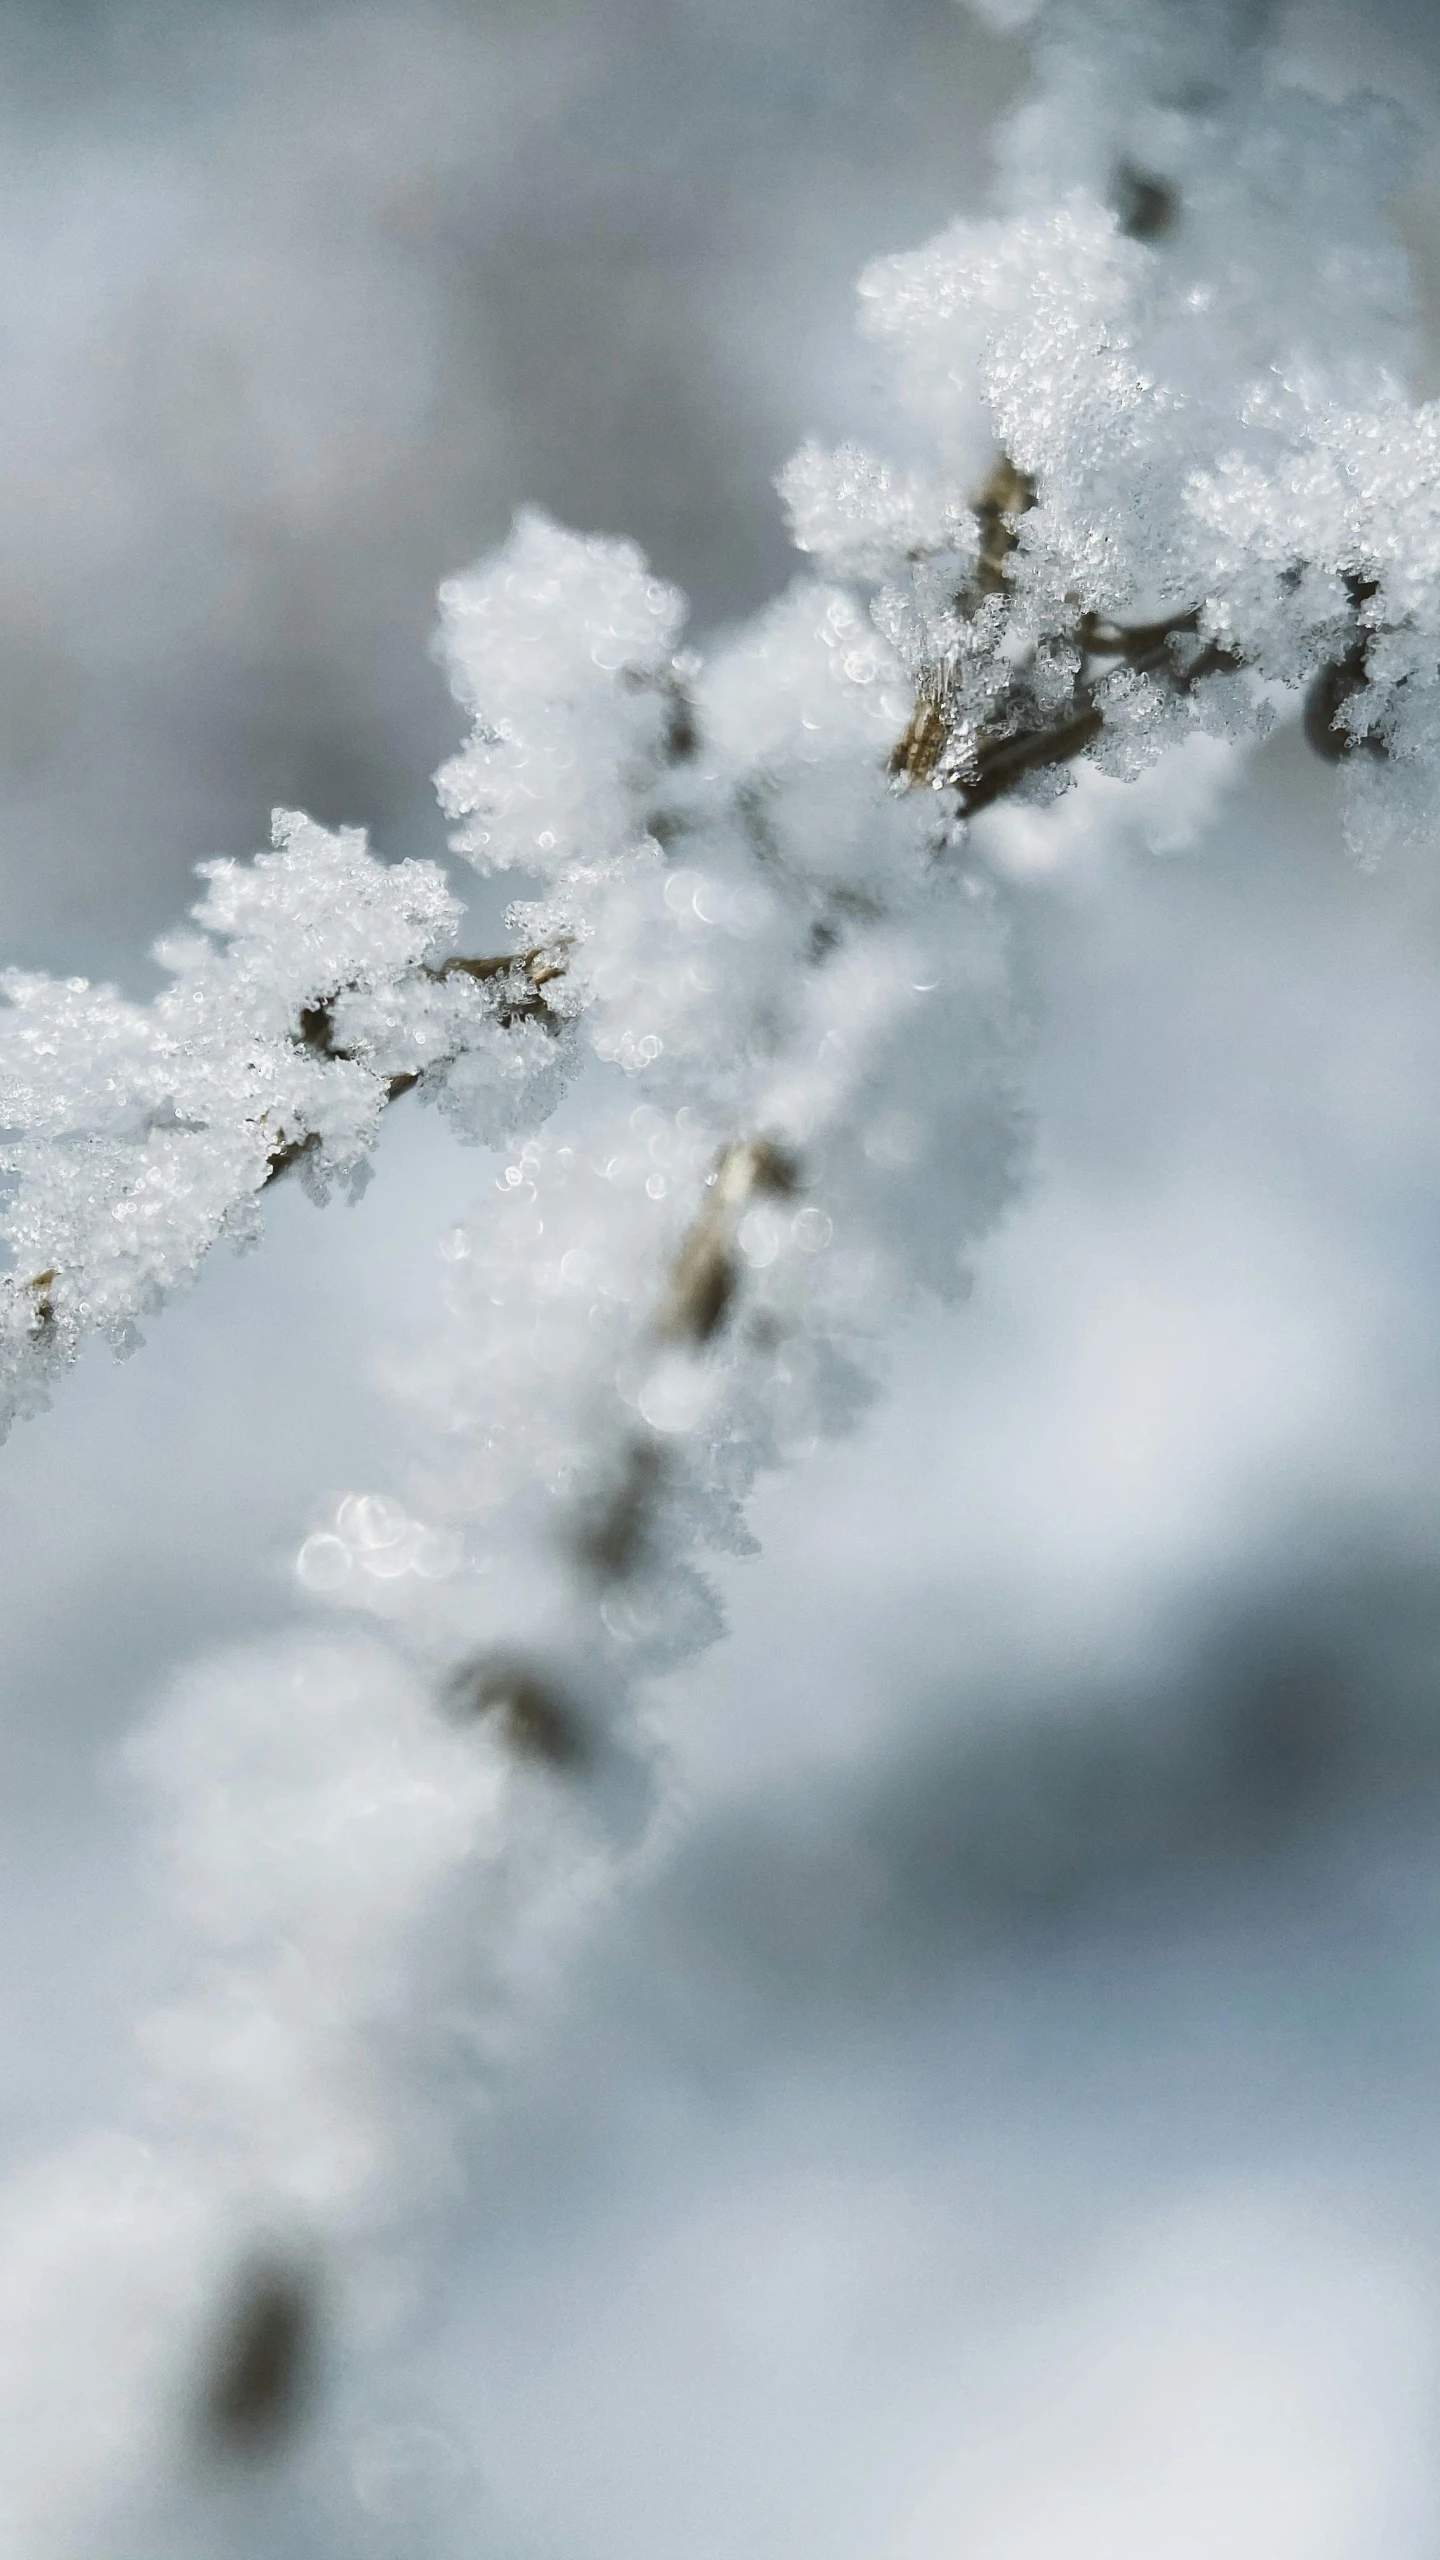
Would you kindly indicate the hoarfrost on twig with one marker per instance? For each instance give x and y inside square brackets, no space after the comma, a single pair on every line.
[1170,482]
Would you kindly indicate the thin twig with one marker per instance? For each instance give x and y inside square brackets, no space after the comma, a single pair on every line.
[538,966]
[934,748]
[999,763]
[704,1274]
[1338,683]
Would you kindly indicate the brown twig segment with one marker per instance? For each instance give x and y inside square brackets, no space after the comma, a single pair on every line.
[284,1159]
[916,754]
[999,762]
[937,748]
[613,1534]
[1149,648]
[1008,494]
[705,1273]
[43,1315]
[536,968]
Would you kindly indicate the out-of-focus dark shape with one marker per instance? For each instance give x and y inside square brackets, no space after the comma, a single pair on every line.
[538,1722]
[1146,207]
[615,1530]
[1285,1734]
[1236,1752]
[680,738]
[1326,729]
[262,2364]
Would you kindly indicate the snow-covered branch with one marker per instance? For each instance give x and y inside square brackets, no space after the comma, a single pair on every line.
[764,919]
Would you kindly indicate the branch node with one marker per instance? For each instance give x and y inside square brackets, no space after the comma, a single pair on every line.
[537,1722]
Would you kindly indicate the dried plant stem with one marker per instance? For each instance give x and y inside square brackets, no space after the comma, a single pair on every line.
[938,748]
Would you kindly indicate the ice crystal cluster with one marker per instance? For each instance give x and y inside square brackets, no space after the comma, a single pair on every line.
[1155,470]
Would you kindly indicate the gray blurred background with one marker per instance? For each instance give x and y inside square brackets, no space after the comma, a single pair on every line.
[1006,2126]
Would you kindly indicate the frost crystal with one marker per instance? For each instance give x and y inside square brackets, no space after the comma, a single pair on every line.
[562,648]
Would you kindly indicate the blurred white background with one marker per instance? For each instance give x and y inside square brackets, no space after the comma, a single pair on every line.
[1005,2123]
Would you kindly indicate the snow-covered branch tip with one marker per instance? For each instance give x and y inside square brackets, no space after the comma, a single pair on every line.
[317,990]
